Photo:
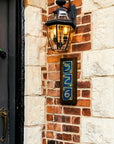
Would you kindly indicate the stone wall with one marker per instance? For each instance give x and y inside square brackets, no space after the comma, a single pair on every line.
[98,65]
[91,120]
[35,58]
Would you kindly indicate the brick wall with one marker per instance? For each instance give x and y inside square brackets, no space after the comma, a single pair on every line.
[63,122]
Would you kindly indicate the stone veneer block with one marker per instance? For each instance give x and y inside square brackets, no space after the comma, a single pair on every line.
[37,3]
[34,110]
[33,21]
[103,28]
[35,50]
[97,131]
[33,135]
[103,97]
[98,63]
[92,5]
[33,80]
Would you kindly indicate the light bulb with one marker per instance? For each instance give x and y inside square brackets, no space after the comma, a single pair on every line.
[65,30]
[54,31]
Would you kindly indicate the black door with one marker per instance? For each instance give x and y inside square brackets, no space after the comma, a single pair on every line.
[3,71]
[11,71]
[7,71]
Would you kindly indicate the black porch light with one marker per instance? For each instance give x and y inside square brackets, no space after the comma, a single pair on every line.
[61,25]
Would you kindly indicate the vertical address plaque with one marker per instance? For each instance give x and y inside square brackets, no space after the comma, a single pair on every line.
[68,78]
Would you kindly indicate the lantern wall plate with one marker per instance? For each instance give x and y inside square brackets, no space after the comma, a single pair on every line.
[68,81]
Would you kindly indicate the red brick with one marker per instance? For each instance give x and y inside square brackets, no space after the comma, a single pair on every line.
[57,101]
[78,20]
[57,84]
[83,29]
[50,135]
[58,92]
[44,76]
[76,120]
[83,103]
[79,11]
[57,127]
[68,143]
[44,18]
[66,137]
[44,91]
[44,27]
[57,66]
[77,55]
[50,126]
[86,37]
[54,76]
[78,75]
[43,68]
[73,111]
[49,117]
[43,83]
[77,39]
[53,59]
[52,92]
[64,119]
[76,138]
[81,47]
[58,110]
[51,67]
[49,101]
[50,109]
[49,51]
[69,128]
[86,19]
[53,109]
[86,112]
[79,66]
[51,2]
[78,93]
[45,34]
[50,10]
[77,3]
[43,134]
[43,127]
[44,141]
[86,93]
[84,84]
[44,11]
[50,84]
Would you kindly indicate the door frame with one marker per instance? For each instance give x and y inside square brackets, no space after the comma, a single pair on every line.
[16,71]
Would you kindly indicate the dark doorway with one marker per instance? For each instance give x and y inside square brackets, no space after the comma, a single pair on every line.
[12,71]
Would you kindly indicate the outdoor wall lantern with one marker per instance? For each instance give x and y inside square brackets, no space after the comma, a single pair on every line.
[61,24]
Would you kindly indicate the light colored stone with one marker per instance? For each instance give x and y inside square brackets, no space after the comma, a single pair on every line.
[38,3]
[103,28]
[97,131]
[92,5]
[32,80]
[35,50]
[33,135]
[34,110]
[103,97]
[98,63]
[33,21]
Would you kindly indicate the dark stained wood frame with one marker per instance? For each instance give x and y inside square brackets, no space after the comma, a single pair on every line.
[74,86]
[16,71]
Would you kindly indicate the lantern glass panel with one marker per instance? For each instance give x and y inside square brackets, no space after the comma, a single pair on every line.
[59,37]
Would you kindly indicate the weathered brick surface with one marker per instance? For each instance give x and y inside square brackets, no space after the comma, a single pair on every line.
[63,122]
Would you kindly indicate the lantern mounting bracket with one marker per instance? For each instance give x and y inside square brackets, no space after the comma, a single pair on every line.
[71,10]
